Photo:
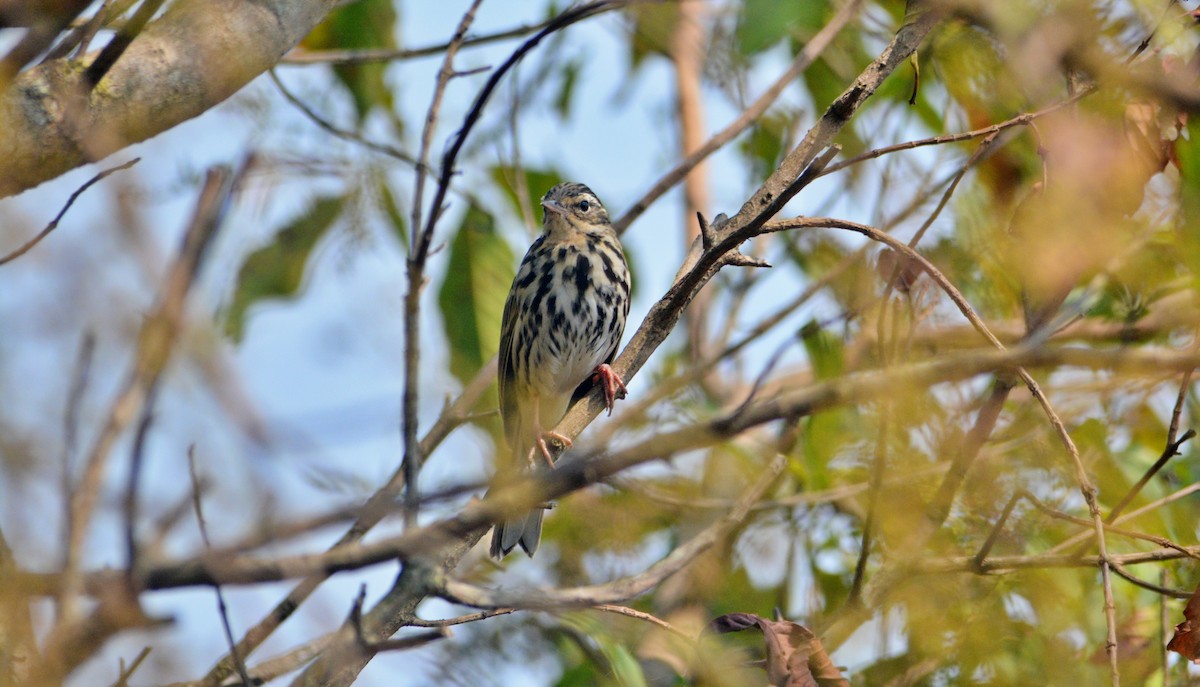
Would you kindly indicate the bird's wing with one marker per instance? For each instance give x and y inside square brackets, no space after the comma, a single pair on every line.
[507,366]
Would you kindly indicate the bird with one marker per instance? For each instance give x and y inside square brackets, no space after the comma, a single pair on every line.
[562,323]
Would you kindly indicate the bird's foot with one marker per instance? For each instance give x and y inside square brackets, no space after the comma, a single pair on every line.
[545,449]
[611,382]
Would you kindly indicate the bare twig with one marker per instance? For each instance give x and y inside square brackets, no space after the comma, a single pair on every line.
[1024,119]
[461,619]
[136,456]
[1171,450]
[79,382]
[222,609]
[367,55]
[58,218]
[127,672]
[642,615]
[419,251]
[337,131]
[996,530]
[378,645]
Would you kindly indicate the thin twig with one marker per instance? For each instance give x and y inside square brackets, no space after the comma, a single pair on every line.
[996,530]
[222,609]
[413,459]
[1171,450]
[137,453]
[642,615]
[1024,119]
[1071,542]
[368,55]
[79,382]
[1083,522]
[337,131]
[127,672]
[461,619]
[58,218]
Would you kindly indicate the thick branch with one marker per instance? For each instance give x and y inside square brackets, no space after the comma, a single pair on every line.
[197,55]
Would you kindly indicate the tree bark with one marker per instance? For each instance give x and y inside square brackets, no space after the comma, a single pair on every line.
[195,56]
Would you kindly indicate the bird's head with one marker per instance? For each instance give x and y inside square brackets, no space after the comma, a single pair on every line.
[572,206]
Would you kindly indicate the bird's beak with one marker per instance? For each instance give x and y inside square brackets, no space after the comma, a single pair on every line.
[553,206]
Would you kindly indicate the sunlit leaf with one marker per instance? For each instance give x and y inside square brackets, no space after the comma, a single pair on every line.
[277,269]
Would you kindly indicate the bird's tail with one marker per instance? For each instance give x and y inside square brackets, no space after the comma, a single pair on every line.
[525,530]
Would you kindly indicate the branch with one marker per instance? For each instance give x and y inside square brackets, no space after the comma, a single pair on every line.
[178,68]
[576,472]
[625,588]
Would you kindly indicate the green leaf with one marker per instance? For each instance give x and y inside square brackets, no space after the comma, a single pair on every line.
[364,24]
[472,296]
[276,270]
[764,23]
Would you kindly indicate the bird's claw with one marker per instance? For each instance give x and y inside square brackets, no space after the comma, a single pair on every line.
[544,449]
[610,381]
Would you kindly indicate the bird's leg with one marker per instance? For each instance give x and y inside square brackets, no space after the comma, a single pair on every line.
[540,441]
[541,444]
[614,388]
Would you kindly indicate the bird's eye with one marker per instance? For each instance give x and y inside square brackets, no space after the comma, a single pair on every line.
[583,205]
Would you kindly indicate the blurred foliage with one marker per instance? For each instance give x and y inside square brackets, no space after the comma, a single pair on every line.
[652,26]
[360,25]
[276,270]
[471,299]
[763,23]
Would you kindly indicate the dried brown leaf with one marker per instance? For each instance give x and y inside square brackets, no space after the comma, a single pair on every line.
[1186,640]
[795,657]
